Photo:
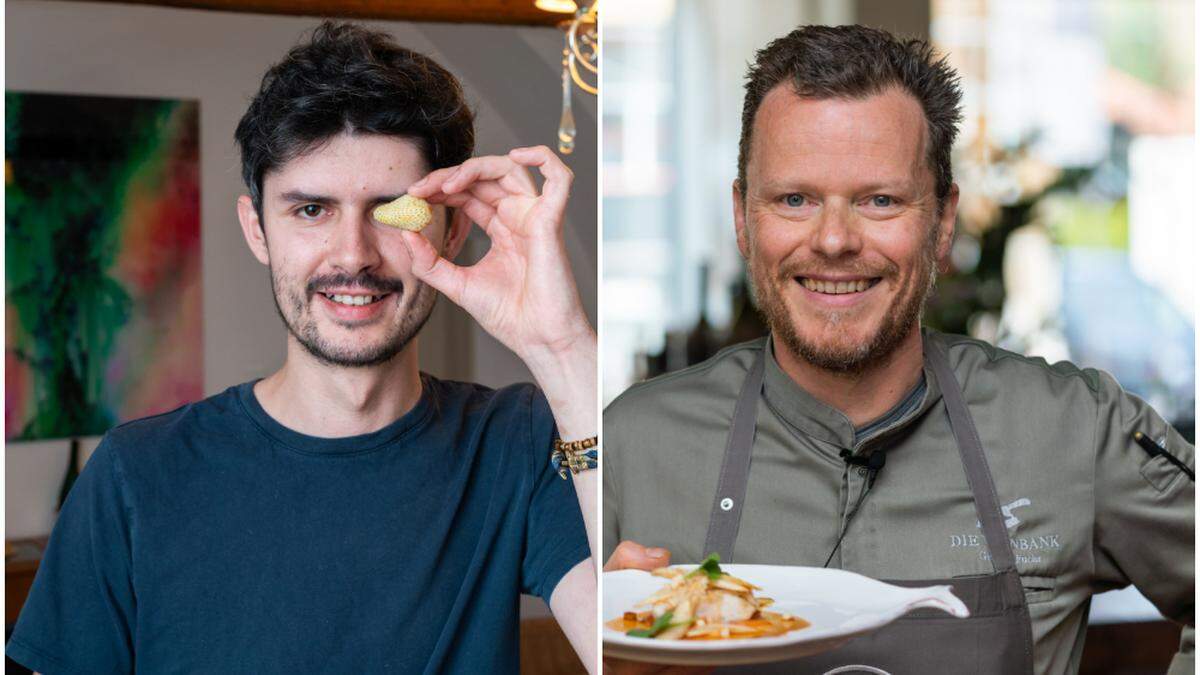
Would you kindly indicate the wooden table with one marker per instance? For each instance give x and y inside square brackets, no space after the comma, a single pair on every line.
[21,558]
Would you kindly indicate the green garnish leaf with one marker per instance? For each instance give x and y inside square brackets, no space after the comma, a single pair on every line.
[659,626]
[711,566]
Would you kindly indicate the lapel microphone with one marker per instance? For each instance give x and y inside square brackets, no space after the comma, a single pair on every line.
[873,463]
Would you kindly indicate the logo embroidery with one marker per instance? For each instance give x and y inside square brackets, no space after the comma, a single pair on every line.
[1010,521]
[1027,549]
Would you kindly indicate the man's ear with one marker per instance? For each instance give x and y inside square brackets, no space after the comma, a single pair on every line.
[946,228]
[739,220]
[457,229]
[252,229]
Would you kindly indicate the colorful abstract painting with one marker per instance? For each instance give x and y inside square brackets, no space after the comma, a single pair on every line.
[102,262]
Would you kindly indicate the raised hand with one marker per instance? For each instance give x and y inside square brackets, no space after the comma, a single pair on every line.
[522,291]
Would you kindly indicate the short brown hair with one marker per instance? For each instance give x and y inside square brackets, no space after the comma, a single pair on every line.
[347,78]
[855,62]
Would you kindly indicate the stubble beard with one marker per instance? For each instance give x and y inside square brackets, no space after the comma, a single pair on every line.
[905,312]
[302,324]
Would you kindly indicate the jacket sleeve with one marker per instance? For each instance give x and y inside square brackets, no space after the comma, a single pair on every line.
[611,501]
[1145,506]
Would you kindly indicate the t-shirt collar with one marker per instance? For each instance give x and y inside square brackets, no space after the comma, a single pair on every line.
[345,445]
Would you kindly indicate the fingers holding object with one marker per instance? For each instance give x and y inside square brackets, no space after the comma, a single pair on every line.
[432,268]
[430,187]
[479,211]
[508,175]
[557,174]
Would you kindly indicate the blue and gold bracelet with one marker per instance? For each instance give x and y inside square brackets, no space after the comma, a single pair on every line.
[575,456]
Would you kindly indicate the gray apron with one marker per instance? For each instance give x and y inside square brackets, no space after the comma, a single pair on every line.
[996,639]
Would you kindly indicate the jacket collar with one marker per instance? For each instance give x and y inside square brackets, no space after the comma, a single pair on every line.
[806,415]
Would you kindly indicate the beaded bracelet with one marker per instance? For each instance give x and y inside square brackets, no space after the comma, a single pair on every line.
[571,455]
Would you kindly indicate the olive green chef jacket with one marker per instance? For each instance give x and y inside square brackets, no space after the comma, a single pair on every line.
[1087,509]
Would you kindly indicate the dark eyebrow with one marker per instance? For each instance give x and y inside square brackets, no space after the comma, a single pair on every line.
[297,196]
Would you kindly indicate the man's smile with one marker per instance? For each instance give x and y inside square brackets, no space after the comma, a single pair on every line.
[838,286]
[835,291]
[353,307]
[354,299]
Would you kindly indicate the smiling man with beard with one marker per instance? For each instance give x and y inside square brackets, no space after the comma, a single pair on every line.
[1019,483]
[348,513]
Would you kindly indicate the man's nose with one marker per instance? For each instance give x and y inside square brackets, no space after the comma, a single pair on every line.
[353,247]
[837,233]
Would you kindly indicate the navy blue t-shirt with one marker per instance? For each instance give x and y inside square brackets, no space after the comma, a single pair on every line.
[212,539]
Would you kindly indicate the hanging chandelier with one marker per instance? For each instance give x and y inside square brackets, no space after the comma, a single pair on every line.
[580,63]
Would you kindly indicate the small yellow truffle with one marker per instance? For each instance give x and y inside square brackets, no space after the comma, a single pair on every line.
[407,213]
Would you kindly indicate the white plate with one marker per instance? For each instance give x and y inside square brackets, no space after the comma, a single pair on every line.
[839,605]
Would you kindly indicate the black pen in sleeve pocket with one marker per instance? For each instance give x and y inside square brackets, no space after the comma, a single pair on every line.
[1154,450]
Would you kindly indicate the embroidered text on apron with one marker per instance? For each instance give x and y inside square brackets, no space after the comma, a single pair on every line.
[996,639]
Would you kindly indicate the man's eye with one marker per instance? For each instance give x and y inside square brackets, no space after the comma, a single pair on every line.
[882,201]
[794,200]
[311,210]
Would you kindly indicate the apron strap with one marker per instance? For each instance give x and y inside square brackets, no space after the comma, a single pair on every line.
[735,469]
[735,465]
[979,477]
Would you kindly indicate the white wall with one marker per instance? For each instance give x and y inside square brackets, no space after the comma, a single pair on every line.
[511,75]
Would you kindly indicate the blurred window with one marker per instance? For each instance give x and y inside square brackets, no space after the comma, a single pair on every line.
[673,74]
[1076,235]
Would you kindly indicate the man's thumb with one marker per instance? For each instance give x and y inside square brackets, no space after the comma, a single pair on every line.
[432,268]
[630,555]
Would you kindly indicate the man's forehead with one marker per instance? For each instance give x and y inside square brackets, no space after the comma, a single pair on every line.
[883,132]
[350,162]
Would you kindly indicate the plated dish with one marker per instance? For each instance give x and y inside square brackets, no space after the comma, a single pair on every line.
[836,606]
[704,604]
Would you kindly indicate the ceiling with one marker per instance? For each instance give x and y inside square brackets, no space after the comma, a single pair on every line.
[453,11]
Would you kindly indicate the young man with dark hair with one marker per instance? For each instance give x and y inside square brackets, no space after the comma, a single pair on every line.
[1020,484]
[349,514]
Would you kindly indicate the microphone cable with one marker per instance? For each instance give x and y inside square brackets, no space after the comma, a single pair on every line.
[873,464]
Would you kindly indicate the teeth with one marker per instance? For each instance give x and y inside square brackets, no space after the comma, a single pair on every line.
[355,300]
[836,288]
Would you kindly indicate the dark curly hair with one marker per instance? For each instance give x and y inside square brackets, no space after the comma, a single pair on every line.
[351,79]
[853,62]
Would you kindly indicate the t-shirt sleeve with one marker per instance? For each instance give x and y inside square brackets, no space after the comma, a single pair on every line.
[555,538]
[79,617]
[1145,506]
